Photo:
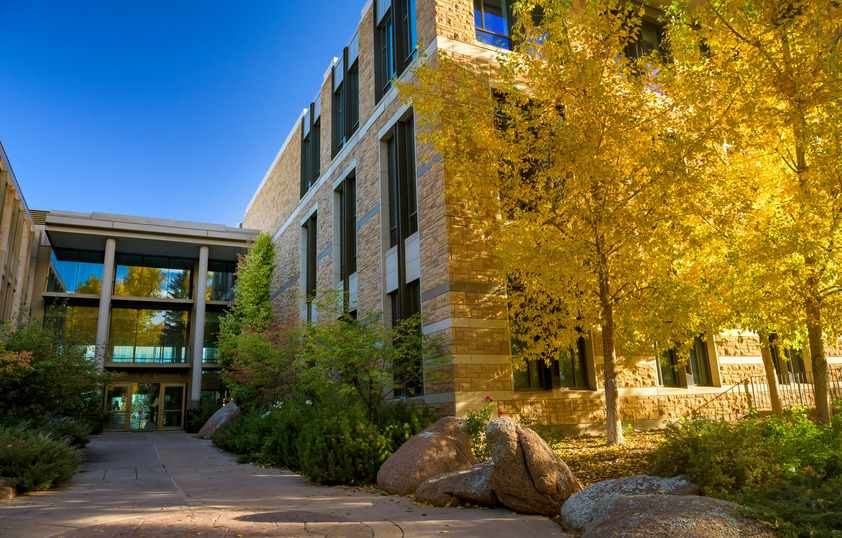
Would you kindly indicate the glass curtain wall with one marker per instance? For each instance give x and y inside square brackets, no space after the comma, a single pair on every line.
[210,349]
[221,279]
[75,271]
[153,276]
[147,335]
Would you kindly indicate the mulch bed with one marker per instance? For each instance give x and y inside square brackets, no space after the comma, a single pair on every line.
[591,461]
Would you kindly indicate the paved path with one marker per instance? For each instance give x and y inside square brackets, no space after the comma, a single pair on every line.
[170,484]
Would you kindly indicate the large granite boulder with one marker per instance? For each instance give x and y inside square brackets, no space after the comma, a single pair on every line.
[226,414]
[679,516]
[443,447]
[578,509]
[468,486]
[527,476]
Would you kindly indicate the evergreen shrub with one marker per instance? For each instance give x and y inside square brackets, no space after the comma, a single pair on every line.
[400,421]
[32,460]
[342,447]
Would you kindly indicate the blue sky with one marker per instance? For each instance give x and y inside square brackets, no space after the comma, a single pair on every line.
[158,108]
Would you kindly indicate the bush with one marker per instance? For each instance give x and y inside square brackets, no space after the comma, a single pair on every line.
[399,422]
[718,456]
[32,460]
[77,432]
[477,422]
[243,436]
[280,447]
[342,447]
[196,418]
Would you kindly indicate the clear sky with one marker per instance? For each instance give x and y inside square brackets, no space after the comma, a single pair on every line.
[158,108]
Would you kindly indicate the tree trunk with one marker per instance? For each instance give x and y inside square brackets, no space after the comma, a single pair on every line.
[771,376]
[612,397]
[814,333]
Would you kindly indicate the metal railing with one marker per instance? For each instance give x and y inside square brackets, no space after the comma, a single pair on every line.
[752,393]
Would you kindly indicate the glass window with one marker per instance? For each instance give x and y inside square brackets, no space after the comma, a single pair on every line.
[146,335]
[75,271]
[78,323]
[700,363]
[338,123]
[173,404]
[354,96]
[534,375]
[221,279]
[648,40]
[153,276]
[668,369]
[210,349]
[493,22]
[572,366]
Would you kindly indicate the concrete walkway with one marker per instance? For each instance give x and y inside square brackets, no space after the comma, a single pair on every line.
[170,484]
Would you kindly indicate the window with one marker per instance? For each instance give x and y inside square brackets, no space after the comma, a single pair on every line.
[347,203]
[143,335]
[405,303]
[569,370]
[153,276]
[789,362]
[75,271]
[346,97]
[78,322]
[696,371]
[403,202]
[210,346]
[647,40]
[309,238]
[493,21]
[395,41]
[311,147]
[221,279]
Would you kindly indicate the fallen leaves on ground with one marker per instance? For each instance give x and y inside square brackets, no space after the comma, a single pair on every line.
[591,461]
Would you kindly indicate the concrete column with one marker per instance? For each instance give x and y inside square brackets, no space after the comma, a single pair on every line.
[199,328]
[105,301]
[22,267]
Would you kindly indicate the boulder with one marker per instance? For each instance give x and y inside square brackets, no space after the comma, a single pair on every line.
[527,475]
[468,486]
[226,414]
[578,509]
[680,516]
[443,447]
[6,491]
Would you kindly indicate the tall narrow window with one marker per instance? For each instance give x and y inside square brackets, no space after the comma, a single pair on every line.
[668,369]
[310,147]
[569,370]
[347,196]
[346,98]
[647,40]
[406,302]
[403,200]
[700,362]
[395,41]
[492,19]
[309,238]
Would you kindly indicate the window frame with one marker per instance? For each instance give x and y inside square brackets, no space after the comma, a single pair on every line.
[507,39]
[395,42]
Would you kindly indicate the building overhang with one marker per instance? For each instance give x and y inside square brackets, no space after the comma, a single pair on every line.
[143,235]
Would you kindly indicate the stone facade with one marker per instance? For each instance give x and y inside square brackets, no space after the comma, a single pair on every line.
[462,295]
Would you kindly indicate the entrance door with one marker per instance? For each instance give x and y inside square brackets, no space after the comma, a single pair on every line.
[145,406]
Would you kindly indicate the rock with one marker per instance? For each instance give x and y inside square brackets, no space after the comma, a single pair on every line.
[527,476]
[468,486]
[578,509]
[226,414]
[680,516]
[443,447]
[6,491]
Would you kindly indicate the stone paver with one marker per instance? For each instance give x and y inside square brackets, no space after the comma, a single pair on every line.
[171,484]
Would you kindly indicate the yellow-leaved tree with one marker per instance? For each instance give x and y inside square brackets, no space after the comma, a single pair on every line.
[582,170]
[779,62]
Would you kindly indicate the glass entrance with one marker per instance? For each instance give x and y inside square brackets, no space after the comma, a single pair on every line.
[145,406]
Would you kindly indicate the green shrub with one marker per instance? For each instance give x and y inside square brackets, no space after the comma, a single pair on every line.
[280,447]
[32,460]
[196,418]
[243,436]
[342,447]
[477,421]
[805,505]
[718,456]
[399,422]
[77,432]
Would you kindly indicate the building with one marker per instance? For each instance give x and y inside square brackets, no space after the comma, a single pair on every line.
[351,206]
[142,295]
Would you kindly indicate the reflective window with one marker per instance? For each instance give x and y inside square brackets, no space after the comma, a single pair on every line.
[491,17]
[153,276]
[75,271]
[145,335]
[78,323]
[210,349]
[221,279]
